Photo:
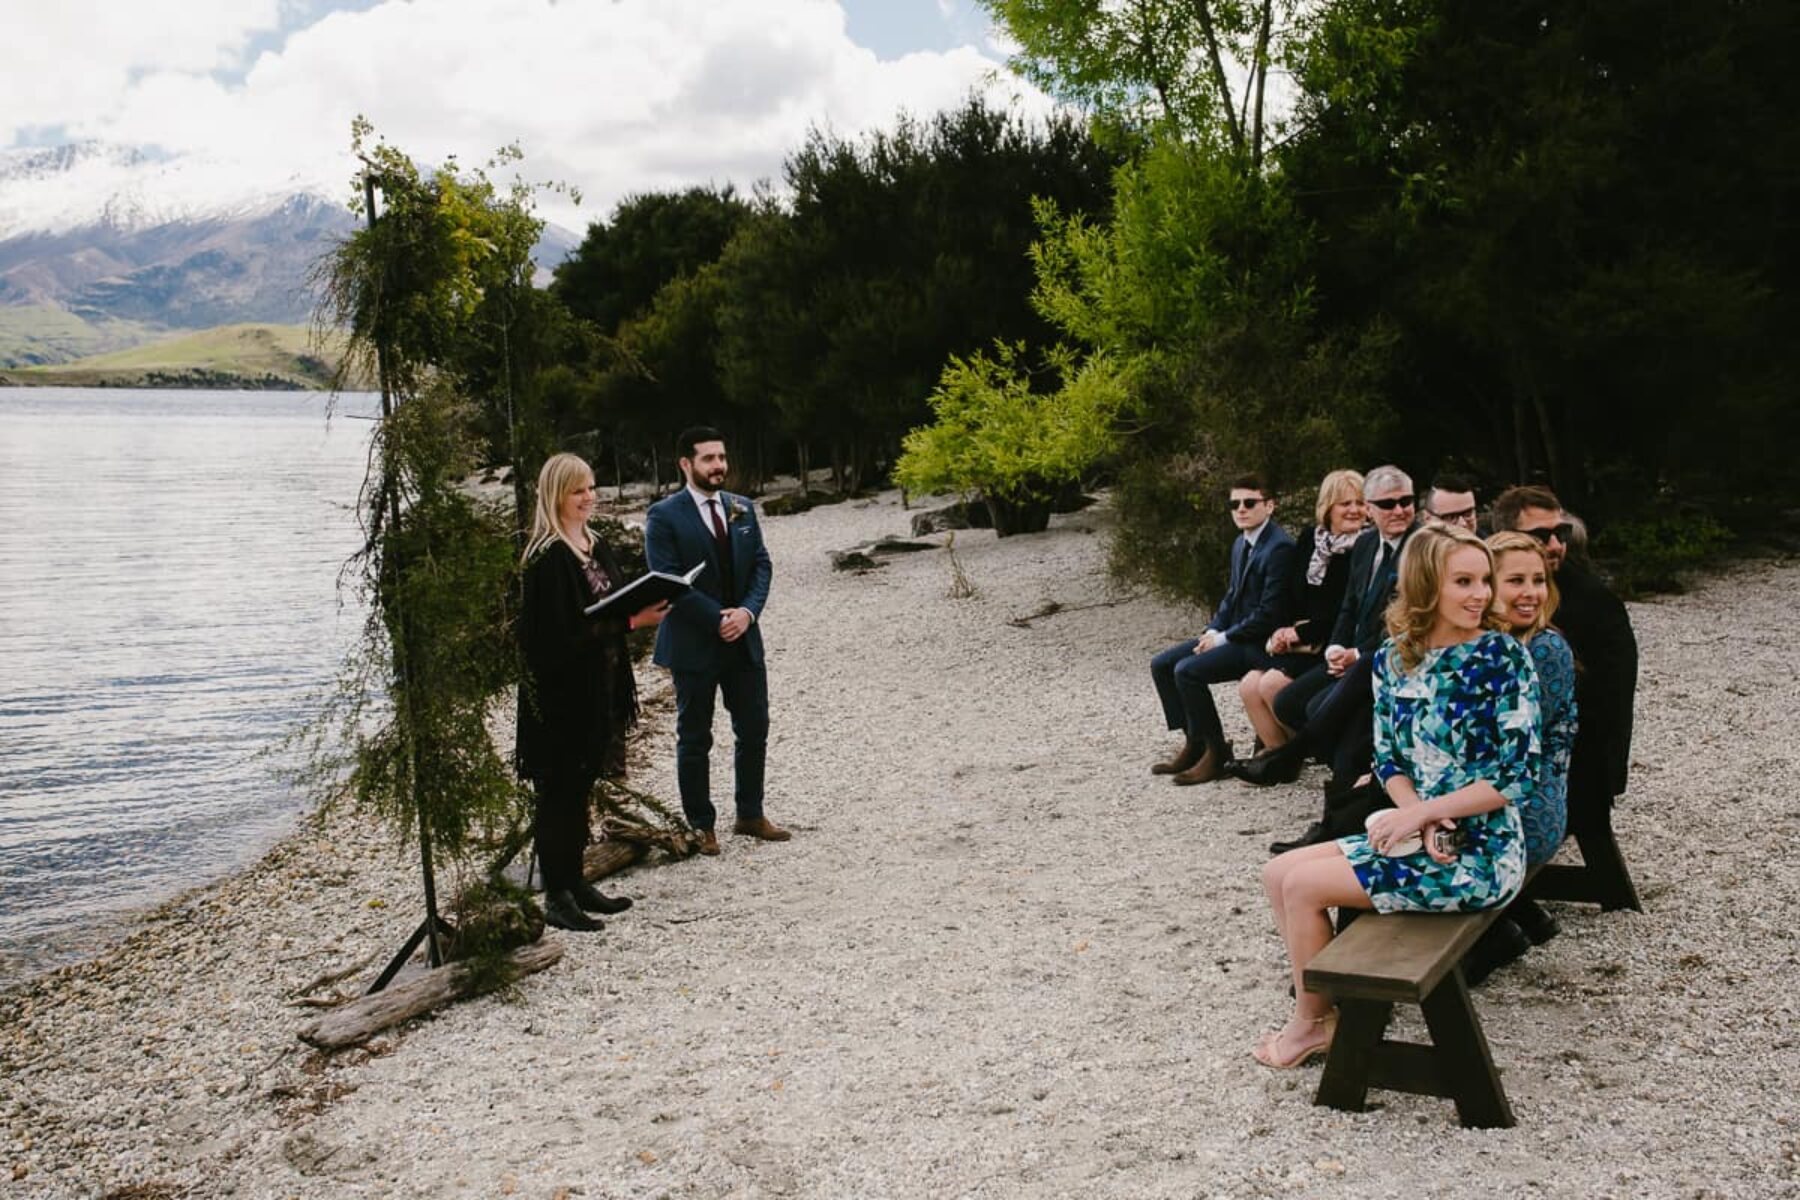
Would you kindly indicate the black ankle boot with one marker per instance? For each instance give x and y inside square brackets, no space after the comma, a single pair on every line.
[593,900]
[563,911]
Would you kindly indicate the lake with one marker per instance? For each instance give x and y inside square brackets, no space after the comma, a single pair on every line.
[169,613]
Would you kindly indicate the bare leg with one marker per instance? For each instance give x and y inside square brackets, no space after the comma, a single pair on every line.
[1262,709]
[1303,884]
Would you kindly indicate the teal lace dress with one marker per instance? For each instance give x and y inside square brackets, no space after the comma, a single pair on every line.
[1465,713]
[1546,816]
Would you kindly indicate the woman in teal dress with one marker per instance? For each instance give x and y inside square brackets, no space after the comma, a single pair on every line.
[1525,600]
[1456,749]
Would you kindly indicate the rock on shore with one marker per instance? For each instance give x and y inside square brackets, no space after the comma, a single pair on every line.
[999,958]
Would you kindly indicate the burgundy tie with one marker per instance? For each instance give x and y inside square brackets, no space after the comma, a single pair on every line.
[712,510]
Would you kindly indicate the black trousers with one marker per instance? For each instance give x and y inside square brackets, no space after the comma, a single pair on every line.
[1337,718]
[560,826]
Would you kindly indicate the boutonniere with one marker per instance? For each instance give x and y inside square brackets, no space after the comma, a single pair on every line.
[739,511]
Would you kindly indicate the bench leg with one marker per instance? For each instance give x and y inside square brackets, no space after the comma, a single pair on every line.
[1462,1056]
[1345,1082]
[1602,877]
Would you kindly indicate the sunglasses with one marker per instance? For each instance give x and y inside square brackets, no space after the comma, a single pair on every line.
[1247,502]
[1393,502]
[1561,533]
[1461,514]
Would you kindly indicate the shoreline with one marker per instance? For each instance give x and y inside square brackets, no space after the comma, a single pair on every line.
[998,959]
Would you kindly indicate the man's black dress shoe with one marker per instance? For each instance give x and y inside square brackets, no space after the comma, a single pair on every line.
[1266,770]
[1530,916]
[592,899]
[1315,834]
[1503,943]
[562,910]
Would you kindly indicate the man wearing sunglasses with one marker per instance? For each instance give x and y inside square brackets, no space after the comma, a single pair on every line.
[1331,706]
[1255,604]
[1599,632]
[1450,500]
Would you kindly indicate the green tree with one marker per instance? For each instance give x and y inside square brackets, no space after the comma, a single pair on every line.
[650,241]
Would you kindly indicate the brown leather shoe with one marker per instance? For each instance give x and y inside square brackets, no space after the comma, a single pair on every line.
[1187,756]
[762,829]
[1210,767]
[709,841]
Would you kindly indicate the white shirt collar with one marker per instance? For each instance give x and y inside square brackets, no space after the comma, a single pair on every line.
[702,501]
[1250,535]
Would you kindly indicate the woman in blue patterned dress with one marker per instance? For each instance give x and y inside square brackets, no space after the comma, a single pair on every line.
[1456,749]
[1525,600]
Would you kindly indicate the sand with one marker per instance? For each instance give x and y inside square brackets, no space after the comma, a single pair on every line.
[998,959]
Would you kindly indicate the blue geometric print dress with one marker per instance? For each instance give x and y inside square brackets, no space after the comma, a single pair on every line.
[1465,713]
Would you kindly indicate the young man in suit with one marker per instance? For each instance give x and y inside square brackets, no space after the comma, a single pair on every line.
[1255,604]
[711,640]
[1599,632]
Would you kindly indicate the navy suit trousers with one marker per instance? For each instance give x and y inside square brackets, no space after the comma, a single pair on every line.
[1184,684]
[745,686]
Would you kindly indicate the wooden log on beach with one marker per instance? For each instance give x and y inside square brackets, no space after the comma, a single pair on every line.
[362,1019]
[610,857]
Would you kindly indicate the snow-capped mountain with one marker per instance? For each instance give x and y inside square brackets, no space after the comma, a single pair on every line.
[114,233]
[124,188]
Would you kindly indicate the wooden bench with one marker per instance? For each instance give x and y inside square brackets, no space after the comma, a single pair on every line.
[1380,960]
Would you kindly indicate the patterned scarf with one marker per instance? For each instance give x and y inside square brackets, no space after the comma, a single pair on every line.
[1326,545]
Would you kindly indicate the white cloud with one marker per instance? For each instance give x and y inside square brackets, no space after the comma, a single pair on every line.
[614,98]
[72,61]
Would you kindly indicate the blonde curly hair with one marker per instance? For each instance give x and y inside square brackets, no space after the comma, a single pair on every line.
[1413,611]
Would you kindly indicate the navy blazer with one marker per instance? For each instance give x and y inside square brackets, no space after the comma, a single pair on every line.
[1362,618]
[675,539]
[1258,598]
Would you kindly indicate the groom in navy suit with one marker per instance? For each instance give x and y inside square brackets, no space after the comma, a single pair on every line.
[1256,602]
[710,641]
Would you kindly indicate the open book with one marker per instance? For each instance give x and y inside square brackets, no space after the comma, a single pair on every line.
[644,591]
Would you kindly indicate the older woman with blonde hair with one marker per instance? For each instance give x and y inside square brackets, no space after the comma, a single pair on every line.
[1322,571]
[577,697]
[1456,744]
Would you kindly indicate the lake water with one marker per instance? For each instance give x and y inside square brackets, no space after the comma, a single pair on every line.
[168,614]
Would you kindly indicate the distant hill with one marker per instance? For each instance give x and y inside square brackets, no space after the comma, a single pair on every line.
[232,356]
[126,245]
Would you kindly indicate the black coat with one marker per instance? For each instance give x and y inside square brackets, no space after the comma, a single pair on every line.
[1315,606]
[1599,632]
[577,696]
[1361,620]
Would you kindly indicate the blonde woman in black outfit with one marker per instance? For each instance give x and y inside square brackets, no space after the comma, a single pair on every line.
[1321,571]
[577,697]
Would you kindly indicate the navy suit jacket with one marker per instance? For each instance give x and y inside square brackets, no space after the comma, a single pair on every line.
[1361,623]
[675,539]
[1258,598]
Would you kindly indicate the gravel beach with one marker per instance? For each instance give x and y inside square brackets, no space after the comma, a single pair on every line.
[999,958]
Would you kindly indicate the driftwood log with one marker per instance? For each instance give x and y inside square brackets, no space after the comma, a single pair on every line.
[362,1019]
[359,1020]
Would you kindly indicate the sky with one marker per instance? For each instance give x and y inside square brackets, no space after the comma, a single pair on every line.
[613,97]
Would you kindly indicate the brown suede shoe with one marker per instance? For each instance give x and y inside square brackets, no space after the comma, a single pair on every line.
[1210,767]
[762,829]
[1187,756]
[709,841]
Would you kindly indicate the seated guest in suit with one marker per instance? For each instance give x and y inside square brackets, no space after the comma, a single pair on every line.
[1456,749]
[1254,605]
[1328,704]
[1598,630]
[1450,500]
[1321,570]
[578,697]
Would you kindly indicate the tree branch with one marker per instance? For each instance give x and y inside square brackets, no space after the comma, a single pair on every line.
[1204,10]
